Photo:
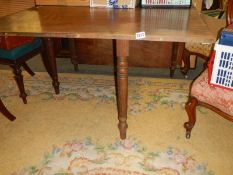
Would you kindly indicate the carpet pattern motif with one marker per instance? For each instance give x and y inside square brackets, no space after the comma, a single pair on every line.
[122,157]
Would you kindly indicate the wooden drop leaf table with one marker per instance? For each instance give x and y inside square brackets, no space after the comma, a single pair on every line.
[120,25]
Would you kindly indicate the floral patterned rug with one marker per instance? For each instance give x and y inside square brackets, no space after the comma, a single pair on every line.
[120,158]
[144,94]
[81,123]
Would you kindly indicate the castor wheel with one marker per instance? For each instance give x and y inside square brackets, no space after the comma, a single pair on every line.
[188,135]
[188,128]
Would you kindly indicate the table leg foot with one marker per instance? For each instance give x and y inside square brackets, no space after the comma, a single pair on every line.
[172,71]
[122,128]
[56,87]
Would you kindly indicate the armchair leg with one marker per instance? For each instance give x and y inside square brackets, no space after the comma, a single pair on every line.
[28,69]
[190,108]
[19,80]
[186,60]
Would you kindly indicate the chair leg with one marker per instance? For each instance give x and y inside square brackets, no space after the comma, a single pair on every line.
[19,80]
[186,60]
[28,69]
[5,112]
[190,108]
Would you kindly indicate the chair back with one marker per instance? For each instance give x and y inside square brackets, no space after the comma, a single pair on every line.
[230,12]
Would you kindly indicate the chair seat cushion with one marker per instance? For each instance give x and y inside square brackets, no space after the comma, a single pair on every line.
[10,42]
[215,96]
[204,49]
[17,52]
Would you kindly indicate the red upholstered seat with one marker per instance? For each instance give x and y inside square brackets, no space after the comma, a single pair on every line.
[215,96]
[10,42]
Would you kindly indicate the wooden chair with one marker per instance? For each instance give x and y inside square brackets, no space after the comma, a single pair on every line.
[198,49]
[5,112]
[15,54]
[217,99]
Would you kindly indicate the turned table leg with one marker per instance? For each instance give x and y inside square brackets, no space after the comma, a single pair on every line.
[51,63]
[5,112]
[122,48]
[73,53]
[175,47]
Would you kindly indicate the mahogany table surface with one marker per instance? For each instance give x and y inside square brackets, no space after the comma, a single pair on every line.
[178,25]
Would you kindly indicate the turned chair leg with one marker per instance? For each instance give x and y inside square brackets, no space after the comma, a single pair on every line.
[28,69]
[190,108]
[5,112]
[186,60]
[19,80]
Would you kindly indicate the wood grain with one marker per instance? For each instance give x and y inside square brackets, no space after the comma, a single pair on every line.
[63,2]
[141,53]
[122,51]
[8,7]
[179,25]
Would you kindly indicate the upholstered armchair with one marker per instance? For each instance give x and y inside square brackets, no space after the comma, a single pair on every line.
[217,99]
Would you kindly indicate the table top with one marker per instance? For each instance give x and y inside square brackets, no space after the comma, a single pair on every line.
[179,25]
